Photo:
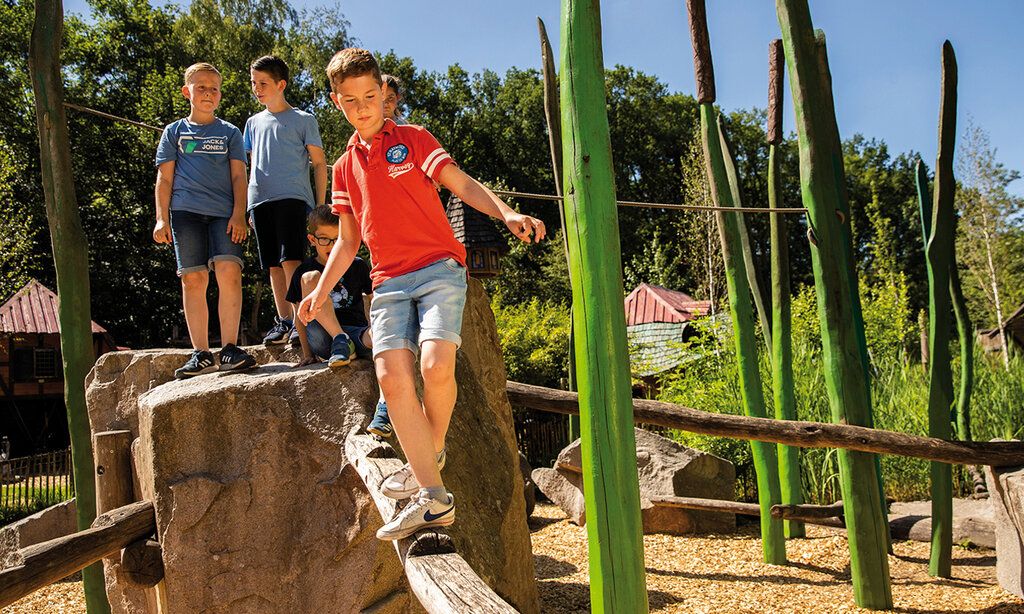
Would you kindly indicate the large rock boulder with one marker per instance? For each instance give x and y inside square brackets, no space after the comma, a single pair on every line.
[257,508]
[1006,494]
[53,522]
[972,522]
[665,468]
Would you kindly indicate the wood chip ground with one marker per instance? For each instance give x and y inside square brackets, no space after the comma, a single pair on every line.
[716,573]
[725,573]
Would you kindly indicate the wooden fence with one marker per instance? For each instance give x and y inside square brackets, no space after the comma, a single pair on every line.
[41,479]
[540,435]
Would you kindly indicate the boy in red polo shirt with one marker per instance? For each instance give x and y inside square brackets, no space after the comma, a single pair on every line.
[384,196]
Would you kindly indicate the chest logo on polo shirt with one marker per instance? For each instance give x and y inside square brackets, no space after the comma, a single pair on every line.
[396,154]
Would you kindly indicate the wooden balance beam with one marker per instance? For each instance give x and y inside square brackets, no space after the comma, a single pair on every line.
[441,579]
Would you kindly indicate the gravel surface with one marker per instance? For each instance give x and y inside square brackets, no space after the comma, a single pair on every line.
[715,573]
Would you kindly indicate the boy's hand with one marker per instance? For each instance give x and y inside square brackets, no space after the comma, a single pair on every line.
[306,361]
[523,226]
[310,306]
[162,232]
[237,229]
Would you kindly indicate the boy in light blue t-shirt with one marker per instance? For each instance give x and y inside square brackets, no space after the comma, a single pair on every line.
[200,208]
[282,143]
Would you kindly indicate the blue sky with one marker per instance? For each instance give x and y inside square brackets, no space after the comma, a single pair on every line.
[884,54]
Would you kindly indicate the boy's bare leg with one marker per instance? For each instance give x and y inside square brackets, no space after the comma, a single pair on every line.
[280,277]
[277,284]
[197,314]
[326,316]
[229,305]
[437,365]
[396,374]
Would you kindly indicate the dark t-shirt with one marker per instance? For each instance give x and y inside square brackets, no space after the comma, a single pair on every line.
[347,294]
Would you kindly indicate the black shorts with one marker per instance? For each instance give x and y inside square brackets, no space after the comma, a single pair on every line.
[280,227]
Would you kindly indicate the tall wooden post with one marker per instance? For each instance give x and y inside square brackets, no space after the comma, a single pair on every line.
[842,324]
[552,117]
[617,582]
[723,181]
[937,252]
[71,260]
[782,319]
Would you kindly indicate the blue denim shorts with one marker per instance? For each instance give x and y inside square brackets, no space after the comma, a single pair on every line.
[320,342]
[418,306]
[200,240]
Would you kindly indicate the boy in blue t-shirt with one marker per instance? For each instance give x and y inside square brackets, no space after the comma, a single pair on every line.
[282,142]
[200,208]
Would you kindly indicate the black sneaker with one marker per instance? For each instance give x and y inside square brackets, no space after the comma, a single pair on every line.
[278,334]
[200,362]
[293,338]
[234,358]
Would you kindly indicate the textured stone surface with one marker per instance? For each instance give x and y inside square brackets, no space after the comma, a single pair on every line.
[665,468]
[973,521]
[564,489]
[259,511]
[1006,494]
[50,523]
[529,488]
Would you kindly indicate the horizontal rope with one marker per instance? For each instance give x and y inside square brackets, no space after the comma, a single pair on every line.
[524,195]
[111,117]
[633,203]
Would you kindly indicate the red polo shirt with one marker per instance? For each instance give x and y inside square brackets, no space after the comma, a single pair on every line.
[389,189]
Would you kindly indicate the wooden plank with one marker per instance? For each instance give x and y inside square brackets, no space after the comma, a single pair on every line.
[790,432]
[441,579]
[45,563]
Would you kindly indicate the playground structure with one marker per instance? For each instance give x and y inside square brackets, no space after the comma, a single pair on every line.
[604,403]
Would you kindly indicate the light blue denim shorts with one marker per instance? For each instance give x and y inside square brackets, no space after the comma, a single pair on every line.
[418,306]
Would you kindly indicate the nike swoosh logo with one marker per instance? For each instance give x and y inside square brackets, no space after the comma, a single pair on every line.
[432,517]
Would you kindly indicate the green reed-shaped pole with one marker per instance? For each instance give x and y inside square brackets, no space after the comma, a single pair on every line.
[842,325]
[720,169]
[782,320]
[610,486]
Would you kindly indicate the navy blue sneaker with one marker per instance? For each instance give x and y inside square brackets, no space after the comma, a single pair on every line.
[343,350]
[199,362]
[234,358]
[381,424]
[278,334]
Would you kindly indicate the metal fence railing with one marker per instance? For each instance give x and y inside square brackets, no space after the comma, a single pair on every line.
[39,480]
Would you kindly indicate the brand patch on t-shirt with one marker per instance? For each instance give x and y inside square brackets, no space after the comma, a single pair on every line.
[396,154]
[217,145]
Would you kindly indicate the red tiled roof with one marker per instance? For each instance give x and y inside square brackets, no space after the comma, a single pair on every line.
[647,303]
[33,309]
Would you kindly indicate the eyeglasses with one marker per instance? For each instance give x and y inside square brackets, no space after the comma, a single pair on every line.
[324,241]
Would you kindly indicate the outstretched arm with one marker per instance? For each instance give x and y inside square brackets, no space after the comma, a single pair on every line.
[342,255]
[476,195]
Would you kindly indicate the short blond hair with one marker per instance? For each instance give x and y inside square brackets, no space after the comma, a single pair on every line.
[200,67]
[351,62]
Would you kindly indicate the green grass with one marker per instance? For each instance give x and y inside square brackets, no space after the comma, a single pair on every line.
[899,388]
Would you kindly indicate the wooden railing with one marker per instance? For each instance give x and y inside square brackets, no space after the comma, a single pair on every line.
[789,432]
[49,561]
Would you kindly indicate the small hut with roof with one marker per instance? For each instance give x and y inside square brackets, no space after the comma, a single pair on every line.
[659,323]
[485,245]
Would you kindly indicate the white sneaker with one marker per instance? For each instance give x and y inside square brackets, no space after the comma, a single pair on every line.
[402,484]
[422,512]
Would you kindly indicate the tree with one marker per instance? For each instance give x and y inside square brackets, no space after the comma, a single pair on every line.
[989,228]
